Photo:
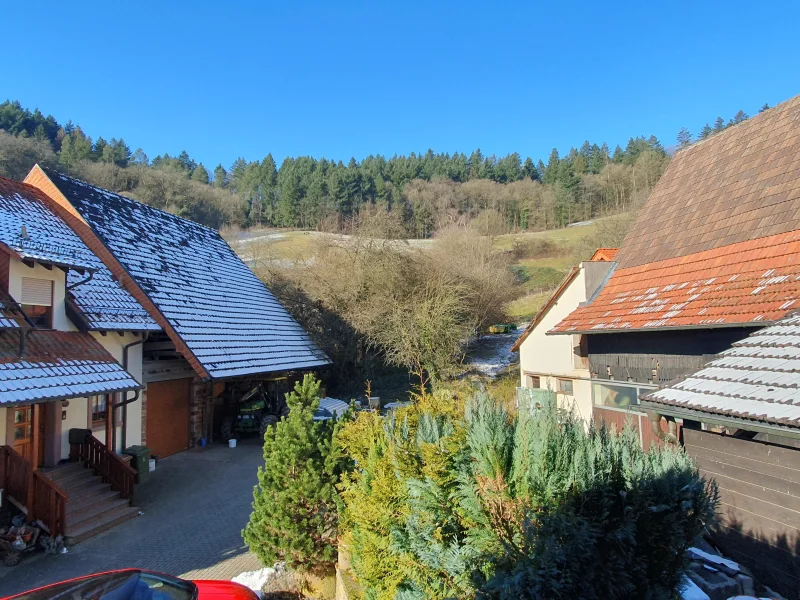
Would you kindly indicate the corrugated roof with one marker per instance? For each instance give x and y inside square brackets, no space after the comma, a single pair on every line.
[754,282]
[106,305]
[740,184]
[33,231]
[757,379]
[221,311]
[56,365]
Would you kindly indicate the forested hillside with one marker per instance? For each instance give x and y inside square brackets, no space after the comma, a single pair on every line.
[430,191]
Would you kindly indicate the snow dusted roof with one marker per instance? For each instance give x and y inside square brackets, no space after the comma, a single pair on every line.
[57,365]
[33,231]
[229,321]
[108,306]
[756,380]
[11,316]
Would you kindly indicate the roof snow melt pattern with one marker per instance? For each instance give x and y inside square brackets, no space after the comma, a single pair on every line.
[57,365]
[755,282]
[222,312]
[757,379]
[33,231]
[717,242]
[107,306]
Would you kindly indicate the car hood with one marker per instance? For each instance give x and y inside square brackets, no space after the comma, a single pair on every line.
[217,590]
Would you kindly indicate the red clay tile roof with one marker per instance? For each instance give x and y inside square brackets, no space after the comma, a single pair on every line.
[738,185]
[754,282]
[57,365]
[605,254]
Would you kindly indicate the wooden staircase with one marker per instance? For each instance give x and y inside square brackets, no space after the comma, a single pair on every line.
[93,506]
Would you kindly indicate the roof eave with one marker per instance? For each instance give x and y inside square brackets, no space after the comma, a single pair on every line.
[666,328]
[58,397]
[722,420]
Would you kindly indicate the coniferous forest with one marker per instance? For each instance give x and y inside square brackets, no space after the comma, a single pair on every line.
[429,191]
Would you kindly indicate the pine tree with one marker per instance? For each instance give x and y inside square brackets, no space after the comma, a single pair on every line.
[220,177]
[294,518]
[200,174]
[719,125]
[684,138]
[706,131]
[763,108]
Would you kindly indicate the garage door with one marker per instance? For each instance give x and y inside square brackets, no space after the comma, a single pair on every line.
[168,416]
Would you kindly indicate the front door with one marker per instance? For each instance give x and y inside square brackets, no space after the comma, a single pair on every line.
[22,430]
[27,432]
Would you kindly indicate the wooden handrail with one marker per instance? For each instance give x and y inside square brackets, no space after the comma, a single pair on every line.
[95,455]
[42,497]
[49,504]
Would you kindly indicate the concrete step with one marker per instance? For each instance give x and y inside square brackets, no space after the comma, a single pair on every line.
[85,529]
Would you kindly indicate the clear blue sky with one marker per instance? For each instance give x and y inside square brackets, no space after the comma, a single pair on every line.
[228,79]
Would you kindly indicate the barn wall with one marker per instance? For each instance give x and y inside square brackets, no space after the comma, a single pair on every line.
[759,487]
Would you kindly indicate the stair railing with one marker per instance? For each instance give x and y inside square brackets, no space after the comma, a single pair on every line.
[42,498]
[110,467]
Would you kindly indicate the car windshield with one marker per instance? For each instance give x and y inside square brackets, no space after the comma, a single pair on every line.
[120,585]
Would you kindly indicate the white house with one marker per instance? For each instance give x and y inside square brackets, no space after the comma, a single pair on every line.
[560,363]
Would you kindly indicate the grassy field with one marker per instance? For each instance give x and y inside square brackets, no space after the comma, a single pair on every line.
[541,261]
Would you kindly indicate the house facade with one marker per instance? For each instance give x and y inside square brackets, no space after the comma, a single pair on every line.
[692,336]
[120,325]
[213,330]
[560,364]
[710,259]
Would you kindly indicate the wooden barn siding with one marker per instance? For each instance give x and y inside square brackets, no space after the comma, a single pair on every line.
[759,487]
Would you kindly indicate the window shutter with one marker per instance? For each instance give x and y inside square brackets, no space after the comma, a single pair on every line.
[38,292]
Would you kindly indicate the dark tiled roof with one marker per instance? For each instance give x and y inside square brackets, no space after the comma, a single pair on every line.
[106,305]
[31,229]
[57,364]
[738,185]
[221,311]
[755,282]
[757,379]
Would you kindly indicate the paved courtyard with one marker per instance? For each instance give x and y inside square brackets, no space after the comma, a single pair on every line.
[195,506]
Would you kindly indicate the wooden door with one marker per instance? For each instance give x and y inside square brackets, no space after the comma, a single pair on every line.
[22,430]
[168,416]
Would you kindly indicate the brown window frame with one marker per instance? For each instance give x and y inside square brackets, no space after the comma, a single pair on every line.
[99,423]
[533,379]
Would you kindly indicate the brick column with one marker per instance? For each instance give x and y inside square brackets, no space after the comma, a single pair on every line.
[199,404]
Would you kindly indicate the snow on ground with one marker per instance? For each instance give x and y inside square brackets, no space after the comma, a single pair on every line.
[491,353]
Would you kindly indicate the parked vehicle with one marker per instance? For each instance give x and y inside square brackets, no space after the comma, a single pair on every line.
[136,584]
[255,410]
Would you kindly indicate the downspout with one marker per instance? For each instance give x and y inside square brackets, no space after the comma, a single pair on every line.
[81,282]
[124,403]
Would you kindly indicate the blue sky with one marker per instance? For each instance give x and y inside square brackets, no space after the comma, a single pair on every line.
[223,80]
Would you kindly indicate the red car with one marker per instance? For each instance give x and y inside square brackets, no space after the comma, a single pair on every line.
[136,584]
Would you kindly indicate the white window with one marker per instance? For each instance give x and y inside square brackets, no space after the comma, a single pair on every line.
[37,301]
[565,386]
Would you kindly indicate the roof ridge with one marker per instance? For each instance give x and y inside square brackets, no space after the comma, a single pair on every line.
[48,171]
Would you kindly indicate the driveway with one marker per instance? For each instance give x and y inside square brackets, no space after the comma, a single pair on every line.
[195,506]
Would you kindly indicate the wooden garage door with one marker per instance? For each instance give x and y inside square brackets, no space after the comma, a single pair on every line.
[168,416]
